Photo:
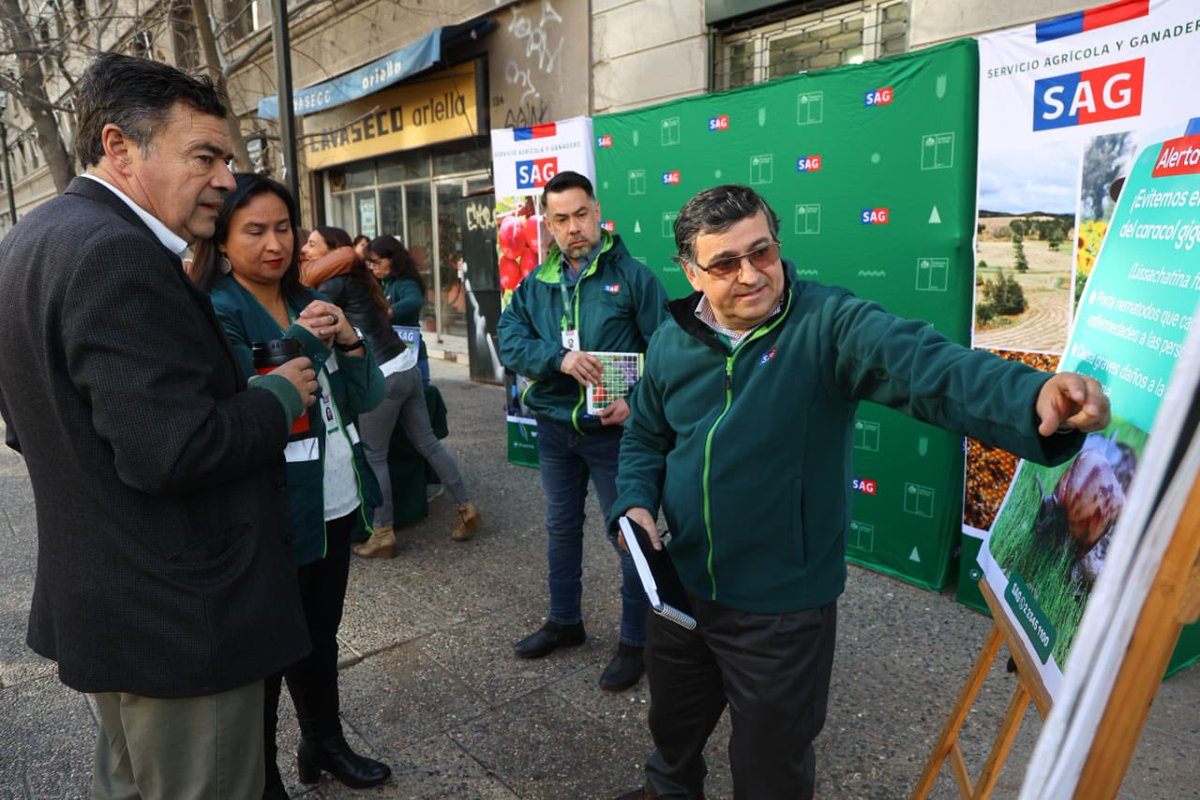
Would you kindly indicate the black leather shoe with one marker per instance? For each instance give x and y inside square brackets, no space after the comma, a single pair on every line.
[624,670]
[549,637]
[333,755]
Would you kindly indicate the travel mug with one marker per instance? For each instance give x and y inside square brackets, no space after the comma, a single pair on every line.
[274,353]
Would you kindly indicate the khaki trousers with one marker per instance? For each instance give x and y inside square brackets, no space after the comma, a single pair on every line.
[208,747]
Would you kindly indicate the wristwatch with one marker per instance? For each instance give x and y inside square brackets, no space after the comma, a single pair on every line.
[357,343]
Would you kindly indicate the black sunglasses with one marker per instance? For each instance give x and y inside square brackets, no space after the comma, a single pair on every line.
[760,258]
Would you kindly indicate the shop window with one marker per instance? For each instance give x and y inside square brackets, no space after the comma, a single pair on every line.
[456,163]
[403,167]
[398,195]
[797,40]
[353,176]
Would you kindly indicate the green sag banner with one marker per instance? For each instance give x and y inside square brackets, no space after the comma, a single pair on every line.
[1050,539]
[871,169]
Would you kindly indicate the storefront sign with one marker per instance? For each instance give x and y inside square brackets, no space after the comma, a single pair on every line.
[379,74]
[439,109]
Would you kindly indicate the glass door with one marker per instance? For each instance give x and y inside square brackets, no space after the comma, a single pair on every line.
[452,298]
[421,243]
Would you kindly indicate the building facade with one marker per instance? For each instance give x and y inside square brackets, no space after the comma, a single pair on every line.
[394,101]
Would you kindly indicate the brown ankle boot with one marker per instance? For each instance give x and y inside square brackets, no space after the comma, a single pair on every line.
[469,523]
[382,544]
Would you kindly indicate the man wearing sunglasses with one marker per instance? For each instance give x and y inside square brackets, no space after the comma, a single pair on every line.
[741,431]
[589,295]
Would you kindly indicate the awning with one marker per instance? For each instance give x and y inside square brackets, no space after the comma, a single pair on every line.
[381,73]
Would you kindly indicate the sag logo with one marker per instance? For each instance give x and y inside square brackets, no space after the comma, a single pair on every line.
[604,141]
[767,356]
[534,174]
[612,288]
[1093,95]
[808,164]
[879,97]
[720,123]
[608,225]
[874,216]
[864,485]
[670,177]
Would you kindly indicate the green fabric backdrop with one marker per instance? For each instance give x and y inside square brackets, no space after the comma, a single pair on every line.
[871,169]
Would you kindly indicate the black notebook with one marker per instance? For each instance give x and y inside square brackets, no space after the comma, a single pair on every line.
[659,578]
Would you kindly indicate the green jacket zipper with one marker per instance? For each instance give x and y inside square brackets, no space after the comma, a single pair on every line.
[729,360]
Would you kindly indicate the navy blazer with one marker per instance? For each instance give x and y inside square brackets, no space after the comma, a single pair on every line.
[164,566]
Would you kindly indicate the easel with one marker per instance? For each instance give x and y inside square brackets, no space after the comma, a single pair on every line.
[1029,687]
[1173,601]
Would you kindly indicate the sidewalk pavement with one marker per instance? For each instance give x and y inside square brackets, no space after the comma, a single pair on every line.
[429,683]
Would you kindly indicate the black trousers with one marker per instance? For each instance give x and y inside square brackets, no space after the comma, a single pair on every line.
[313,681]
[773,672]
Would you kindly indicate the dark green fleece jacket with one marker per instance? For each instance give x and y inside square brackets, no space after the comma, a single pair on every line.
[748,450]
[357,386]
[616,305]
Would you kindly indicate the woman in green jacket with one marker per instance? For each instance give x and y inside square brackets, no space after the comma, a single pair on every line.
[251,269]
[394,267]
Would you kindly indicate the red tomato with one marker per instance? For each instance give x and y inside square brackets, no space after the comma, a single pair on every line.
[532,226]
[512,232]
[510,273]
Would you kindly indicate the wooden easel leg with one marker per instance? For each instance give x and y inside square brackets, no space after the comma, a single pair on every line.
[1003,742]
[948,741]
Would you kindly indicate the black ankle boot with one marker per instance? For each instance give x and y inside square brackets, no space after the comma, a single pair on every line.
[333,755]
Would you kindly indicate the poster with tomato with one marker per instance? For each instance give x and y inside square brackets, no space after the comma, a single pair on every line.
[519,241]
[524,160]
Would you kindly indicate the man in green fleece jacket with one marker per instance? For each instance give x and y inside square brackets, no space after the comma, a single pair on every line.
[589,295]
[741,431]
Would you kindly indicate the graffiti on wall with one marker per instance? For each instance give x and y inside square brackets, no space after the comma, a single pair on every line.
[536,31]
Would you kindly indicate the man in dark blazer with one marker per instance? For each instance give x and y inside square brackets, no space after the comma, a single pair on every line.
[164,582]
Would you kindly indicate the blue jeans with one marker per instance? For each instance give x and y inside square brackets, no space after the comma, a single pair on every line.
[566,460]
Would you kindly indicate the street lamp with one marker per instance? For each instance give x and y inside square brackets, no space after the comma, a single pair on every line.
[8,186]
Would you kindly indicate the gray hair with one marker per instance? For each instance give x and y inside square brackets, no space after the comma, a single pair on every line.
[715,210]
[137,96]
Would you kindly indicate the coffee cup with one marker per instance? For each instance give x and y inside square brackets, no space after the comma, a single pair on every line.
[274,353]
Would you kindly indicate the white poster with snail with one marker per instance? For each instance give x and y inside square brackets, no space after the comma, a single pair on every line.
[1049,541]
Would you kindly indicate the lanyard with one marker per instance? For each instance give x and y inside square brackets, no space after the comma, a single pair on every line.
[569,302]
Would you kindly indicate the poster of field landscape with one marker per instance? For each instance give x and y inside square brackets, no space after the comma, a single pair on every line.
[1025,240]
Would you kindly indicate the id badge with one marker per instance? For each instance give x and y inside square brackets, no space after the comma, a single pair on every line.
[331,421]
[570,339]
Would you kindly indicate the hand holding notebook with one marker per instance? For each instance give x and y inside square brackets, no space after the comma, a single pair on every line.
[659,579]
